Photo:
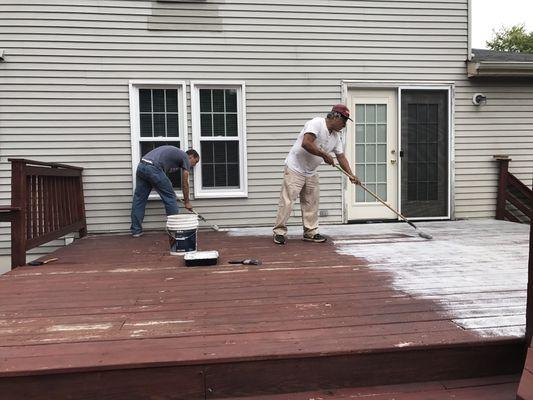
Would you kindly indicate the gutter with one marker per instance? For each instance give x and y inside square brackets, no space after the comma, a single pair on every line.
[499,69]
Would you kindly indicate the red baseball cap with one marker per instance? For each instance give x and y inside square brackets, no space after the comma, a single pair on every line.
[342,110]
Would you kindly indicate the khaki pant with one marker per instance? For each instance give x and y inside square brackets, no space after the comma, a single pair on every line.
[307,188]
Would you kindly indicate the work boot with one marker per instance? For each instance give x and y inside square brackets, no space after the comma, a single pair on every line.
[317,238]
[279,239]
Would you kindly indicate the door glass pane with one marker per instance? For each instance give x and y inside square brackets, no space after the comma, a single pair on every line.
[371,149]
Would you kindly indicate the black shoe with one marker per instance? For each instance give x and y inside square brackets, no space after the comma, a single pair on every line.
[279,239]
[317,238]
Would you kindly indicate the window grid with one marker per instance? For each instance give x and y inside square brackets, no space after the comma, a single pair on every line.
[155,124]
[148,112]
[371,151]
[220,158]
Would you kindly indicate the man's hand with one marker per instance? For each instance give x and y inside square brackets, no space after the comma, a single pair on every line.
[328,159]
[354,179]
[188,205]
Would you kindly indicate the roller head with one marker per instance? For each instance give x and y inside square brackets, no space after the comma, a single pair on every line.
[424,234]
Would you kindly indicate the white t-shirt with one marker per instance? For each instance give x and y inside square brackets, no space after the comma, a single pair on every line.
[305,163]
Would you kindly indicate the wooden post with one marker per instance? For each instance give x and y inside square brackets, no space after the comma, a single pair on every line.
[81,206]
[502,185]
[529,307]
[18,225]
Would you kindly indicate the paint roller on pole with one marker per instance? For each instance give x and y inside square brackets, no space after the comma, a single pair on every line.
[418,231]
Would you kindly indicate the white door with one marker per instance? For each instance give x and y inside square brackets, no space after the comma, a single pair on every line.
[372,150]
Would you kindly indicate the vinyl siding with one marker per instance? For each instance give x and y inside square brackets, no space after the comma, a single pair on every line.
[502,126]
[64,88]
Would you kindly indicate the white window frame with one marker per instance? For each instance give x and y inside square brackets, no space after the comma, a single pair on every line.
[196,138]
[134,87]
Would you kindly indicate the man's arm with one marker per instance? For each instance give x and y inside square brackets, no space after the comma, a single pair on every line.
[308,143]
[345,165]
[185,189]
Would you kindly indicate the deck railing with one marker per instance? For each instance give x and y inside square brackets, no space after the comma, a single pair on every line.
[46,203]
[529,308]
[514,198]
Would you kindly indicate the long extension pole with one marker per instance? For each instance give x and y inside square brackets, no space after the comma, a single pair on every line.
[213,226]
[418,231]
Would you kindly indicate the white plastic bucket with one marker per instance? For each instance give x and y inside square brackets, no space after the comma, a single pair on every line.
[182,230]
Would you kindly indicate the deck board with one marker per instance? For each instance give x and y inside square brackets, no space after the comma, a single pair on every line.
[116,303]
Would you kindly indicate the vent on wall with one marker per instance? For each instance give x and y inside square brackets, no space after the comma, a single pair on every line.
[181,15]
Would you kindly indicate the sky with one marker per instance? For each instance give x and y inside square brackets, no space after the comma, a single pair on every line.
[493,14]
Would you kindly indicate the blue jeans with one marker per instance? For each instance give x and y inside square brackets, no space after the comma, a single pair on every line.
[148,177]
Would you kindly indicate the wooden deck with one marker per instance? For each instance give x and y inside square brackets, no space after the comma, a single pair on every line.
[119,318]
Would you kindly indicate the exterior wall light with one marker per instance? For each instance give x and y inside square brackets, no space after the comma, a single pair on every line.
[479,99]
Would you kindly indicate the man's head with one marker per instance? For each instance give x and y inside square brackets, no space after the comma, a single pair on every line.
[194,157]
[338,116]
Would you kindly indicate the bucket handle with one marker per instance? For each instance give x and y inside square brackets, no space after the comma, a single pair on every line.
[175,238]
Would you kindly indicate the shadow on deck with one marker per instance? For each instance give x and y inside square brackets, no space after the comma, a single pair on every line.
[119,318]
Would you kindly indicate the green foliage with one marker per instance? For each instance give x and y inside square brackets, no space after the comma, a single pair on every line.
[514,39]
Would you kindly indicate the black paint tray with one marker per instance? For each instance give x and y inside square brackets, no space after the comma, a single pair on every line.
[201,258]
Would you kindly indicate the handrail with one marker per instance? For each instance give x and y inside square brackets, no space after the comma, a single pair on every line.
[514,192]
[47,202]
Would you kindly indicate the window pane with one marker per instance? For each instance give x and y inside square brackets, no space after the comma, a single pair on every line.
[159,125]
[146,125]
[232,152]
[371,153]
[370,113]
[370,173]
[359,133]
[205,100]
[172,125]
[231,100]
[381,113]
[207,152]
[360,113]
[231,125]
[159,100]
[145,100]
[233,175]
[220,152]
[371,133]
[360,153]
[381,133]
[172,100]
[158,112]
[218,100]
[220,164]
[382,173]
[206,125]
[220,175]
[208,175]
[219,128]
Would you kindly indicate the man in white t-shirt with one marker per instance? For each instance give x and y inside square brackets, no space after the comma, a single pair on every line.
[318,138]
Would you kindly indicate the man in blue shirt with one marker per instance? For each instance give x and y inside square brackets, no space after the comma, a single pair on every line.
[152,173]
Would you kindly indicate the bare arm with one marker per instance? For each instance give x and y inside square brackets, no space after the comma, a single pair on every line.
[345,165]
[185,189]
[308,143]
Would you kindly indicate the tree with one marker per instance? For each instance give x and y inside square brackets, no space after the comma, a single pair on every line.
[514,39]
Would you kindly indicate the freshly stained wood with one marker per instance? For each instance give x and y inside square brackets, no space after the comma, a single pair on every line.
[312,316]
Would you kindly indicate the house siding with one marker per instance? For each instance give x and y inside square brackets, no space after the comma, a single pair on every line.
[64,89]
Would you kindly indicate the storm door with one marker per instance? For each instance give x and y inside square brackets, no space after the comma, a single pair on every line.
[424,153]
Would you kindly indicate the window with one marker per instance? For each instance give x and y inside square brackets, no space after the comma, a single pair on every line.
[158,117]
[219,135]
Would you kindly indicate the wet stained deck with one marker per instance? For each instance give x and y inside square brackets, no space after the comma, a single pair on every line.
[126,307]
